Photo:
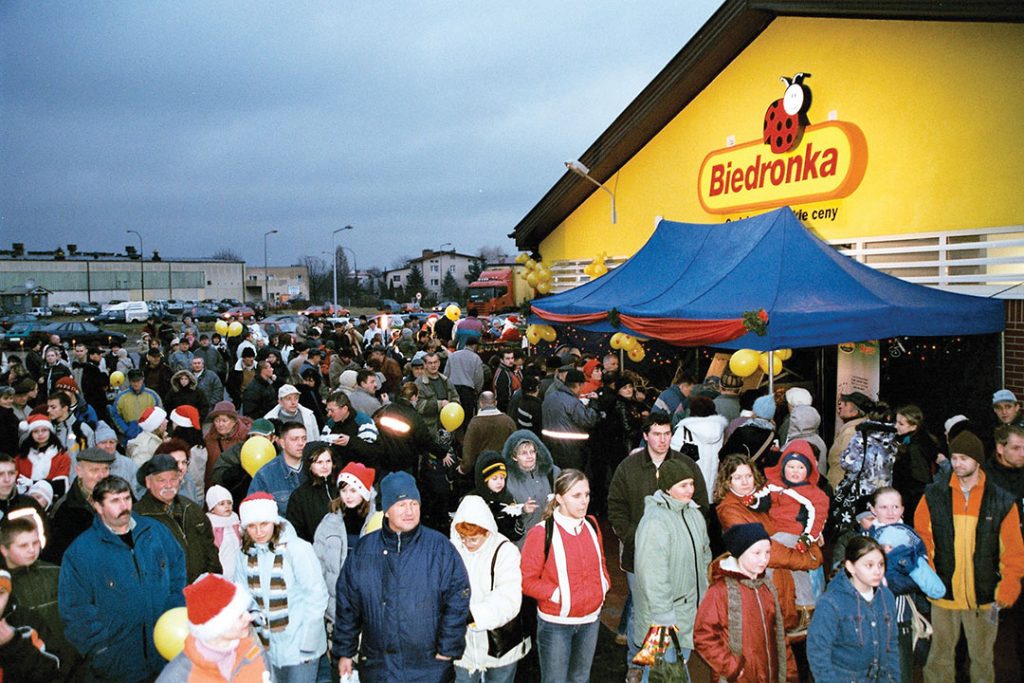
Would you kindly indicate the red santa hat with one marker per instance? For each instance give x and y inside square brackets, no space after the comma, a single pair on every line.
[152,418]
[186,416]
[259,507]
[214,605]
[35,421]
[358,476]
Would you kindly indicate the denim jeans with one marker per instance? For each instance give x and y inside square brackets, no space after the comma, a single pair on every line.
[297,673]
[498,674]
[566,651]
[631,647]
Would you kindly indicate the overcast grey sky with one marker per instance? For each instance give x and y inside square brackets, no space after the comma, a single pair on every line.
[204,124]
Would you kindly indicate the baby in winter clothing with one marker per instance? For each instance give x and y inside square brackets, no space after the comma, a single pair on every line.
[798,509]
[227,532]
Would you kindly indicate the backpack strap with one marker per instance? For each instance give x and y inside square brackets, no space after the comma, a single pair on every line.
[494,561]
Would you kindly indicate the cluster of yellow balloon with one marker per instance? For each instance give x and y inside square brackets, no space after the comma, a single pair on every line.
[538,275]
[257,451]
[453,312]
[170,631]
[745,362]
[630,344]
[535,333]
[596,268]
[116,378]
[222,328]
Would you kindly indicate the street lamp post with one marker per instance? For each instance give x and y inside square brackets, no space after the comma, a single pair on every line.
[334,257]
[266,271]
[142,264]
[584,172]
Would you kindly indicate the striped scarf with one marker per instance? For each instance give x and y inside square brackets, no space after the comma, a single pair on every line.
[275,602]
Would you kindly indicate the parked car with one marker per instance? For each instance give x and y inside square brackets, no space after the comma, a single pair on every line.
[9,320]
[278,327]
[41,311]
[202,314]
[324,311]
[175,305]
[84,332]
[411,307]
[20,333]
[72,309]
[389,306]
[115,315]
[243,312]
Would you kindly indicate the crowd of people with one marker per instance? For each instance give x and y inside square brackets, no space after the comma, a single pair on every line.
[390,538]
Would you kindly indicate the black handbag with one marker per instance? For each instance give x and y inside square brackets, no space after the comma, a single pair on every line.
[507,637]
[670,672]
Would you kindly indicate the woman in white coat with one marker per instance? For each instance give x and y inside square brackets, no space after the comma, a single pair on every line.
[705,429]
[492,562]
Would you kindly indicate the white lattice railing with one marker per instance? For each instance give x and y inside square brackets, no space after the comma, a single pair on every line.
[980,261]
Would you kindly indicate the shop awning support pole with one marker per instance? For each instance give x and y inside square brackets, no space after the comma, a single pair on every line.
[771,374]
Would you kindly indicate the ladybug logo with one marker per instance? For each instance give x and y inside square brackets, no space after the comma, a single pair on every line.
[786,117]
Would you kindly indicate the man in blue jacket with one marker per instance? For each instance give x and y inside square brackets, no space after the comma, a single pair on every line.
[405,589]
[283,474]
[116,580]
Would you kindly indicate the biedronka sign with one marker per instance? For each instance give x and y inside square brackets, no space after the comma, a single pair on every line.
[793,163]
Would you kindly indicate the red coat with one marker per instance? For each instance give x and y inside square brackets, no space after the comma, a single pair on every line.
[585,571]
[758,661]
[787,511]
[732,511]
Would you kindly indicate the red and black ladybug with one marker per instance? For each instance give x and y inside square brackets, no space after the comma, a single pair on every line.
[786,117]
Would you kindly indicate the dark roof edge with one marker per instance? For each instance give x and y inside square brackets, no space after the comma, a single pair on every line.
[720,40]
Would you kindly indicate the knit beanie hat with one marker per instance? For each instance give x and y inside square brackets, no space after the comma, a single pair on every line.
[347,381]
[186,416]
[799,450]
[43,488]
[798,396]
[67,383]
[152,418]
[764,407]
[213,605]
[397,486]
[216,494]
[262,427]
[104,432]
[358,476]
[955,420]
[673,471]
[740,537]
[967,444]
[259,507]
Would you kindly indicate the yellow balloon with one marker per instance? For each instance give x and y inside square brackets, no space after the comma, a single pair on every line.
[530,264]
[257,451]
[600,269]
[548,333]
[170,631]
[762,362]
[220,327]
[234,329]
[532,279]
[544,287]
[784,354]
[533,335]
[588,270]
[373,522]
[116,378]
[636,354]
[521,258]
[629,342]
[616,341]
[452,416]
[453,312]
[743,363]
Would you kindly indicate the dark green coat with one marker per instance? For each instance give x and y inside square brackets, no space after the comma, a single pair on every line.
[191,529]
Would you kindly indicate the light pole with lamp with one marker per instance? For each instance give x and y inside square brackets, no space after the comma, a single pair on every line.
[584,172]
[142,264]
[266,272]
[334,257]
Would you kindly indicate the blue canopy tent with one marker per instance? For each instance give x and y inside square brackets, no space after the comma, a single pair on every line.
[691,285]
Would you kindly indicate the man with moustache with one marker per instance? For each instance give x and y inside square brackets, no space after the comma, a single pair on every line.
[116,580]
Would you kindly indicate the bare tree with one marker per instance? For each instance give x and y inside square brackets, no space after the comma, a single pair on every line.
[226,254]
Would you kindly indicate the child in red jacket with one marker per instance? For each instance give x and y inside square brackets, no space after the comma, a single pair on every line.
[798,510]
